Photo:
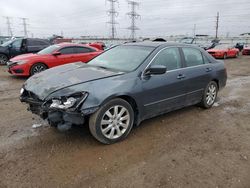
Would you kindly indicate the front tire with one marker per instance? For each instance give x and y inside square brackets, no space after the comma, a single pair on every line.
[112,122]
[3,59]
[210,95]
[36,68]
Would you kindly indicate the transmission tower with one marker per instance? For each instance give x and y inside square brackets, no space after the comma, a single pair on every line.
[133,15]
[112,14]
[25,26]
[10,33]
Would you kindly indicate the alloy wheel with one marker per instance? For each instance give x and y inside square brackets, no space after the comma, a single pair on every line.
[211,94]
[115,122]
[3,59]
[38,68]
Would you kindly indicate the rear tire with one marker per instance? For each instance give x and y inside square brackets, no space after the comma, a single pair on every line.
[112,122]
[3,59]
[209,95]
[36,68]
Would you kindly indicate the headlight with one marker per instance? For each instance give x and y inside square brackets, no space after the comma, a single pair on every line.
[71,101]
[21,91]
[21,62]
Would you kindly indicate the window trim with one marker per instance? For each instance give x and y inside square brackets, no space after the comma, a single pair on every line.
[59,50]
[184,60]
[91,50]
[180,57]
[151,61]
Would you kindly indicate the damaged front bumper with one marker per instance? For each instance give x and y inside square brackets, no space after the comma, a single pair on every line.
[63,119]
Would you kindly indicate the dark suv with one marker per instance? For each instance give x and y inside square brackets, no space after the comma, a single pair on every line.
[21,46]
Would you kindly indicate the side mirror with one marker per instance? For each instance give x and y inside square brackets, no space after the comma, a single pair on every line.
[56,53]
[155,70]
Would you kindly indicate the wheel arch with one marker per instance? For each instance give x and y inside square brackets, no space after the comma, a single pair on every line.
[217,82]
[7,55]
[130,100]
[39,62]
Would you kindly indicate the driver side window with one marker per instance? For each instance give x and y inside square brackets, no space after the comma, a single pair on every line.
[169,57]
[17,44]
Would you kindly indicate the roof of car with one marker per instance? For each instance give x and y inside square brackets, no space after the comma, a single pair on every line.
[157,44]
[65,44]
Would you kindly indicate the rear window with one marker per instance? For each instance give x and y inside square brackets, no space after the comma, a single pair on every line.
[79,50]
[193,57]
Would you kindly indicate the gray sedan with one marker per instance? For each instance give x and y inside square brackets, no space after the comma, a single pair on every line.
[124,86]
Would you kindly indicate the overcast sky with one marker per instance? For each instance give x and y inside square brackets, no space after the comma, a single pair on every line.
[158,17]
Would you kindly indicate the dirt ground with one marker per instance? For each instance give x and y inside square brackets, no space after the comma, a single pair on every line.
[191,147]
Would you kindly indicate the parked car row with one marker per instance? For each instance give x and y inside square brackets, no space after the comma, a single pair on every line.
[123,86]
[223,51]
[20,46]
[54,55]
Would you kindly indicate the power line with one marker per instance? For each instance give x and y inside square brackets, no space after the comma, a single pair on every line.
[112,14]
[133,15]
[24,26]
[8,23]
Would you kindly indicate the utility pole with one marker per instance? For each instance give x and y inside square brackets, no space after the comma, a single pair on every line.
[194,30]
[217,24]
[133,15]
[112,14]
[25,26]
[10,33]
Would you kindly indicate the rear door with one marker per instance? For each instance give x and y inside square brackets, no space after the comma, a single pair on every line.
[162,93]
[84,54]
[35,45]
[198,72]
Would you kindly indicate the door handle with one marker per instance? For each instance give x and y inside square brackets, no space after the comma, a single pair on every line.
[209,69]
[181,76]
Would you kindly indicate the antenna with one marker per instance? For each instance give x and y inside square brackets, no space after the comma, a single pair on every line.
[133,16]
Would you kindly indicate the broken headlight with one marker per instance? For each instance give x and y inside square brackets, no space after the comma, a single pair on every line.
[72,101]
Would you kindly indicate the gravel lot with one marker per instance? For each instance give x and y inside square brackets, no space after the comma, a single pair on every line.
[191,147]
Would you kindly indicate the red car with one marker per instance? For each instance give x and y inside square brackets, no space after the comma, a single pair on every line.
[223,51]
[55,55]
[246,50]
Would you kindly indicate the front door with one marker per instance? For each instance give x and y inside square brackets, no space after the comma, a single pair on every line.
[166,92]
[66,56]
[15,48]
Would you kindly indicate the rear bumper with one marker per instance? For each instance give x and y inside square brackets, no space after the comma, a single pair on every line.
[246,52]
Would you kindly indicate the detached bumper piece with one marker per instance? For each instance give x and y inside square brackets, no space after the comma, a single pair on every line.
[63,120]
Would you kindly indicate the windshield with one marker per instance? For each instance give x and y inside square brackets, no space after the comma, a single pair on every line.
[48,50]
[7,43]
[122,58]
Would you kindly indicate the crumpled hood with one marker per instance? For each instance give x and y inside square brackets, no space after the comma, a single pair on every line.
[51,80]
